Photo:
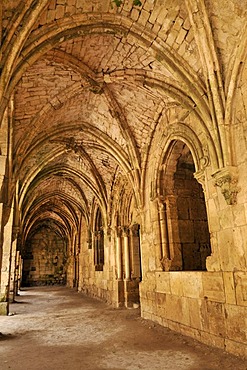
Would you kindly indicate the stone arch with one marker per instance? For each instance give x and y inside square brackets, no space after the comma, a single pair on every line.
[183,218]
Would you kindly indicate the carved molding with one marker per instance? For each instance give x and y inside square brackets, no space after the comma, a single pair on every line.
[201,178]
[165,264]
[227,179]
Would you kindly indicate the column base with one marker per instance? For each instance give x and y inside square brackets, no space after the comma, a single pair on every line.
[131,293]
[118,293]
[4,308]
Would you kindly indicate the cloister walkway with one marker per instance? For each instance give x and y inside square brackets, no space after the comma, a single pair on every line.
[56,328]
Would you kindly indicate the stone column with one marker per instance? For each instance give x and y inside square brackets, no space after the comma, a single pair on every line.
[119,255]
[165,248]
[135,251]
[118,287]
[13,267]
[6,265]
[18,273]
[126,253]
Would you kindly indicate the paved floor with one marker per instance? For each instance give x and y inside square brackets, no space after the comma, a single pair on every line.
[54,328]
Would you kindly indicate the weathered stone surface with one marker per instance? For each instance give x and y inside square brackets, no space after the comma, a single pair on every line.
[123,135]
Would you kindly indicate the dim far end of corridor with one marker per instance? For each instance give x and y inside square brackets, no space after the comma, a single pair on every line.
[123,187]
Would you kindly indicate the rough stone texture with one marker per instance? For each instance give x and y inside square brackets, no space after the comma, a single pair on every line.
[77,333]
[136,113]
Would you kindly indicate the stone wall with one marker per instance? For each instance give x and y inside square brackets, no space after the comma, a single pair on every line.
[45,259]
[209,306]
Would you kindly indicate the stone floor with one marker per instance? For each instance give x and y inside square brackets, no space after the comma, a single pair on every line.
[54,328]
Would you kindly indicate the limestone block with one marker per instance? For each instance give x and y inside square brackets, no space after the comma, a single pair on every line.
[176,283]
[146,315]
[150,281]
[226,218]
[213,286]
[240,279]
[158,319]
[212,340]
[163,282]
[229,287]
[236,348]
[192,284]
[186,229]
[175,326]
[4,308]
[161,307]
[183,208]
[240,247]
[239,215]
[145,307]
[236,323]
[226,246]
[191,332]
[194,306]
[177,309]
[213,218]
[213,318]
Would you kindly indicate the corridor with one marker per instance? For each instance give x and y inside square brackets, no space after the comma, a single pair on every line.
[55,328]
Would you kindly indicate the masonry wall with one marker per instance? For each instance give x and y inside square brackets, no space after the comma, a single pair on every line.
[45,259]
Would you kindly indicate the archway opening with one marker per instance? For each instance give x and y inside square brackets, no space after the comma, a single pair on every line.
[44,258]
[188,233]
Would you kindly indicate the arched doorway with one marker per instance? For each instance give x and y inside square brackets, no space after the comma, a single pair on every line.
[44,257]
[186,215]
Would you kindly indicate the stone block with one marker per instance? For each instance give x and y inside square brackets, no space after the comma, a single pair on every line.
[157,318]
[146,315]
[194,306]
[176,283]
[175,326]
[240,279]
[4,308]
[177,309]
[191,332]
[212,340]
[163,282]
[213,318]
[229,287]
[192,284]
[236,323]
[239,215]
[213,286]
[236,348]
[186,229]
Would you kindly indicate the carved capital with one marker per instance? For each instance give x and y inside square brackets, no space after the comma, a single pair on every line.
[15,232]
[135,230]
[227,179]
[125,231]
[119,231]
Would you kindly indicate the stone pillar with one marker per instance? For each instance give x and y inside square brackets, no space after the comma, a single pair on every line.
[119,255]
[135,251]
[126,253]
[18,273]
[12,272]
[6,265]
[165,260]
[118,287]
